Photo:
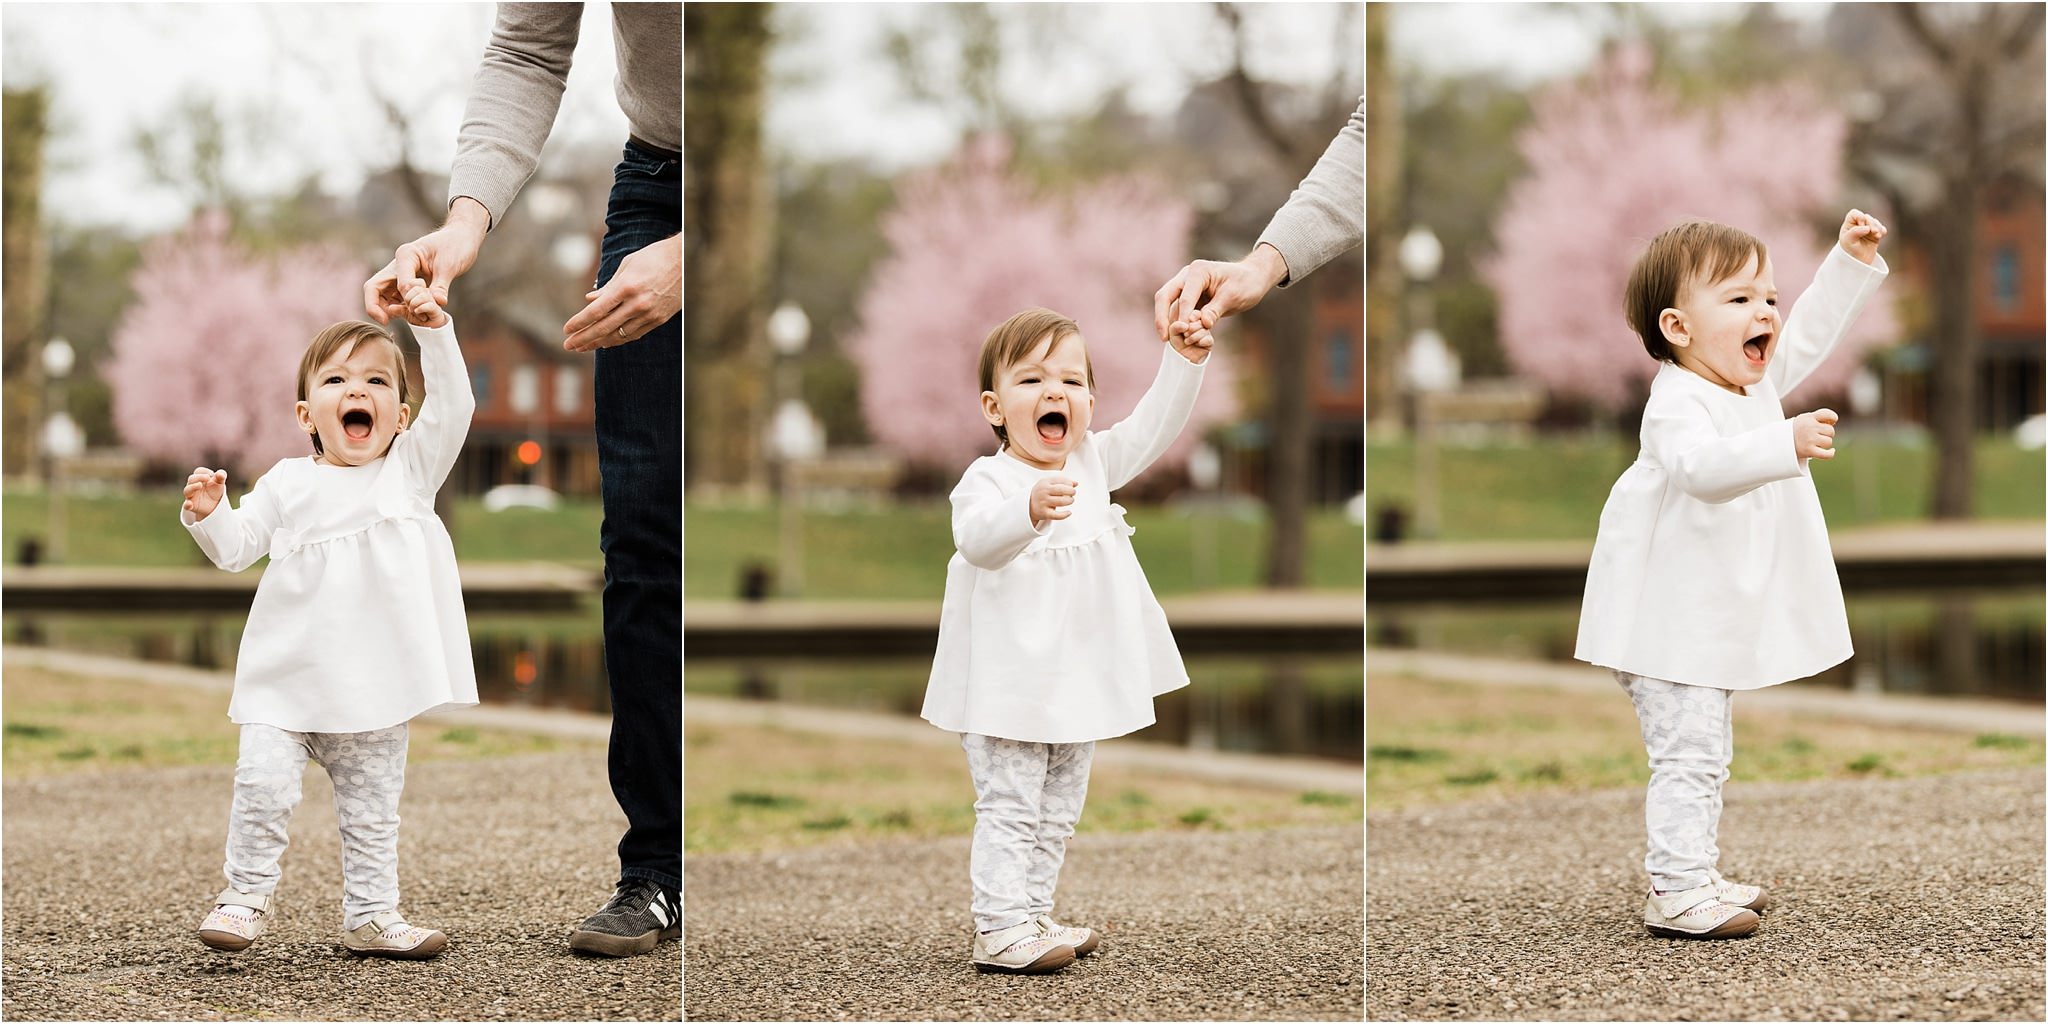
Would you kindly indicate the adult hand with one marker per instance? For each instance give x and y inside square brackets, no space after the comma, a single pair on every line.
[643,295]
[434,260]
[1223,289]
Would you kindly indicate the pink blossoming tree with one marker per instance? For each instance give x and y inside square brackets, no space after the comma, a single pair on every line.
[204,364]
[969,245]
[1613,161]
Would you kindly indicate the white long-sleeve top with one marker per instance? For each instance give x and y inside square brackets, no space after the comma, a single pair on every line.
[1712,565]
[1050,634]
[357,623]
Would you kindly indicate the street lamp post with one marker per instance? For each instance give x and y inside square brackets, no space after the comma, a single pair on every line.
[1429,368]
[1205,469]
[62,439]
[793,436]
[1866,399]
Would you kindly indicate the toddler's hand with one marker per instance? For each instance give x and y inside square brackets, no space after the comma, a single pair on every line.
[1860,234]
[421,310]
[1050,498]
[204,490]
[1813,434]
[1191,338]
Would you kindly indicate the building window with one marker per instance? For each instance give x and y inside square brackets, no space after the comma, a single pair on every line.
[525,390]
[568,391]
[2005,278]
[480,383]
[1337,362]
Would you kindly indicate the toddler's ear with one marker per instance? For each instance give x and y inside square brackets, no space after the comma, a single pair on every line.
[1672,323]
[991,409]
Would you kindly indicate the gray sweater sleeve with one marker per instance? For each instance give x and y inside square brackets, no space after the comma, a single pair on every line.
[1326,214]
[513,101]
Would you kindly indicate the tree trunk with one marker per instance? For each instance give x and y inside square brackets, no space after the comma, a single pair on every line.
[27,281]
[1952,392]
[1287,323]
[725,248]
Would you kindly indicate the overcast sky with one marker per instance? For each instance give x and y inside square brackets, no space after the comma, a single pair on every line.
[834,94]
[1531,42]
[304,67]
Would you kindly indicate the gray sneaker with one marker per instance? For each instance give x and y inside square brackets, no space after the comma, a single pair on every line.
[640,914]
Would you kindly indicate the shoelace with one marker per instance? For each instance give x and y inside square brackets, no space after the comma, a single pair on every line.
[646,892]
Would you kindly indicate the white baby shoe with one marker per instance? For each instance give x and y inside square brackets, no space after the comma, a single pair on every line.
[1749,897]
[388,935]
[1083,940]
[236,920]
[1020,949]
[1697,913]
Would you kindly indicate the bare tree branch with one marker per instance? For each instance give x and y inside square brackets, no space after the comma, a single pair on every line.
[1248,95]
[2024,31]
[1913,18]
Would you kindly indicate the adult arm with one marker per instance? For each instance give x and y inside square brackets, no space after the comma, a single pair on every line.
[1680,435]
[1324,216]
[234,538]
[513,101]
[430,445]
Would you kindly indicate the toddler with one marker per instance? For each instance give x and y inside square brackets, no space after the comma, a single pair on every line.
[1712,571]
[1049,638]
[357,625]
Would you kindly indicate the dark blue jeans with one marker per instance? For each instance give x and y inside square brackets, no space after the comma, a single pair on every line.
[639,388]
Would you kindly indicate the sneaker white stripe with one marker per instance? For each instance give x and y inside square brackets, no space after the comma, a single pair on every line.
[660,912]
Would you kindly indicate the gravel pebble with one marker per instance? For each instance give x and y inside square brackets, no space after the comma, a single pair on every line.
[1260,925]
[108,874]
[1916,899]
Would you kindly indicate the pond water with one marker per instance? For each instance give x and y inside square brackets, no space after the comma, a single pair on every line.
[1305,705]
[1310,706]
[552,661]
[1986,643]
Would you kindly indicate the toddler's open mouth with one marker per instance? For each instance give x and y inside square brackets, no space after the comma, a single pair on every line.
[1758,347]
[1052,427]
[356,423]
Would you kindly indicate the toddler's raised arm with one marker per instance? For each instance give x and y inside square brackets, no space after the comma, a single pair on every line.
[1840,289]
[430,445]
[1149,430]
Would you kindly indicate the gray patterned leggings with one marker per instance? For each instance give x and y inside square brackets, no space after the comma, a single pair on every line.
[1689,732]
[368,771]
[1027,799]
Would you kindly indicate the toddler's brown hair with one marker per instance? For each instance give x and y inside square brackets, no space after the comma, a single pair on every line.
[1695,249]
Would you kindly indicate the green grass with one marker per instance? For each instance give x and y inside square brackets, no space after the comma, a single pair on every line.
[751,789]
[62,723]
[1552,488]
[143,530]
[900,552]
[1442,741]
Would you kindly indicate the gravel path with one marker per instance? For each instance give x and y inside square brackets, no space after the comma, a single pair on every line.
[1905,899]
[108,874]
[1196,926]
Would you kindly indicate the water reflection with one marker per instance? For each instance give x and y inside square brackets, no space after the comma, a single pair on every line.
[548,663]
[1979,643]
[1310,706]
